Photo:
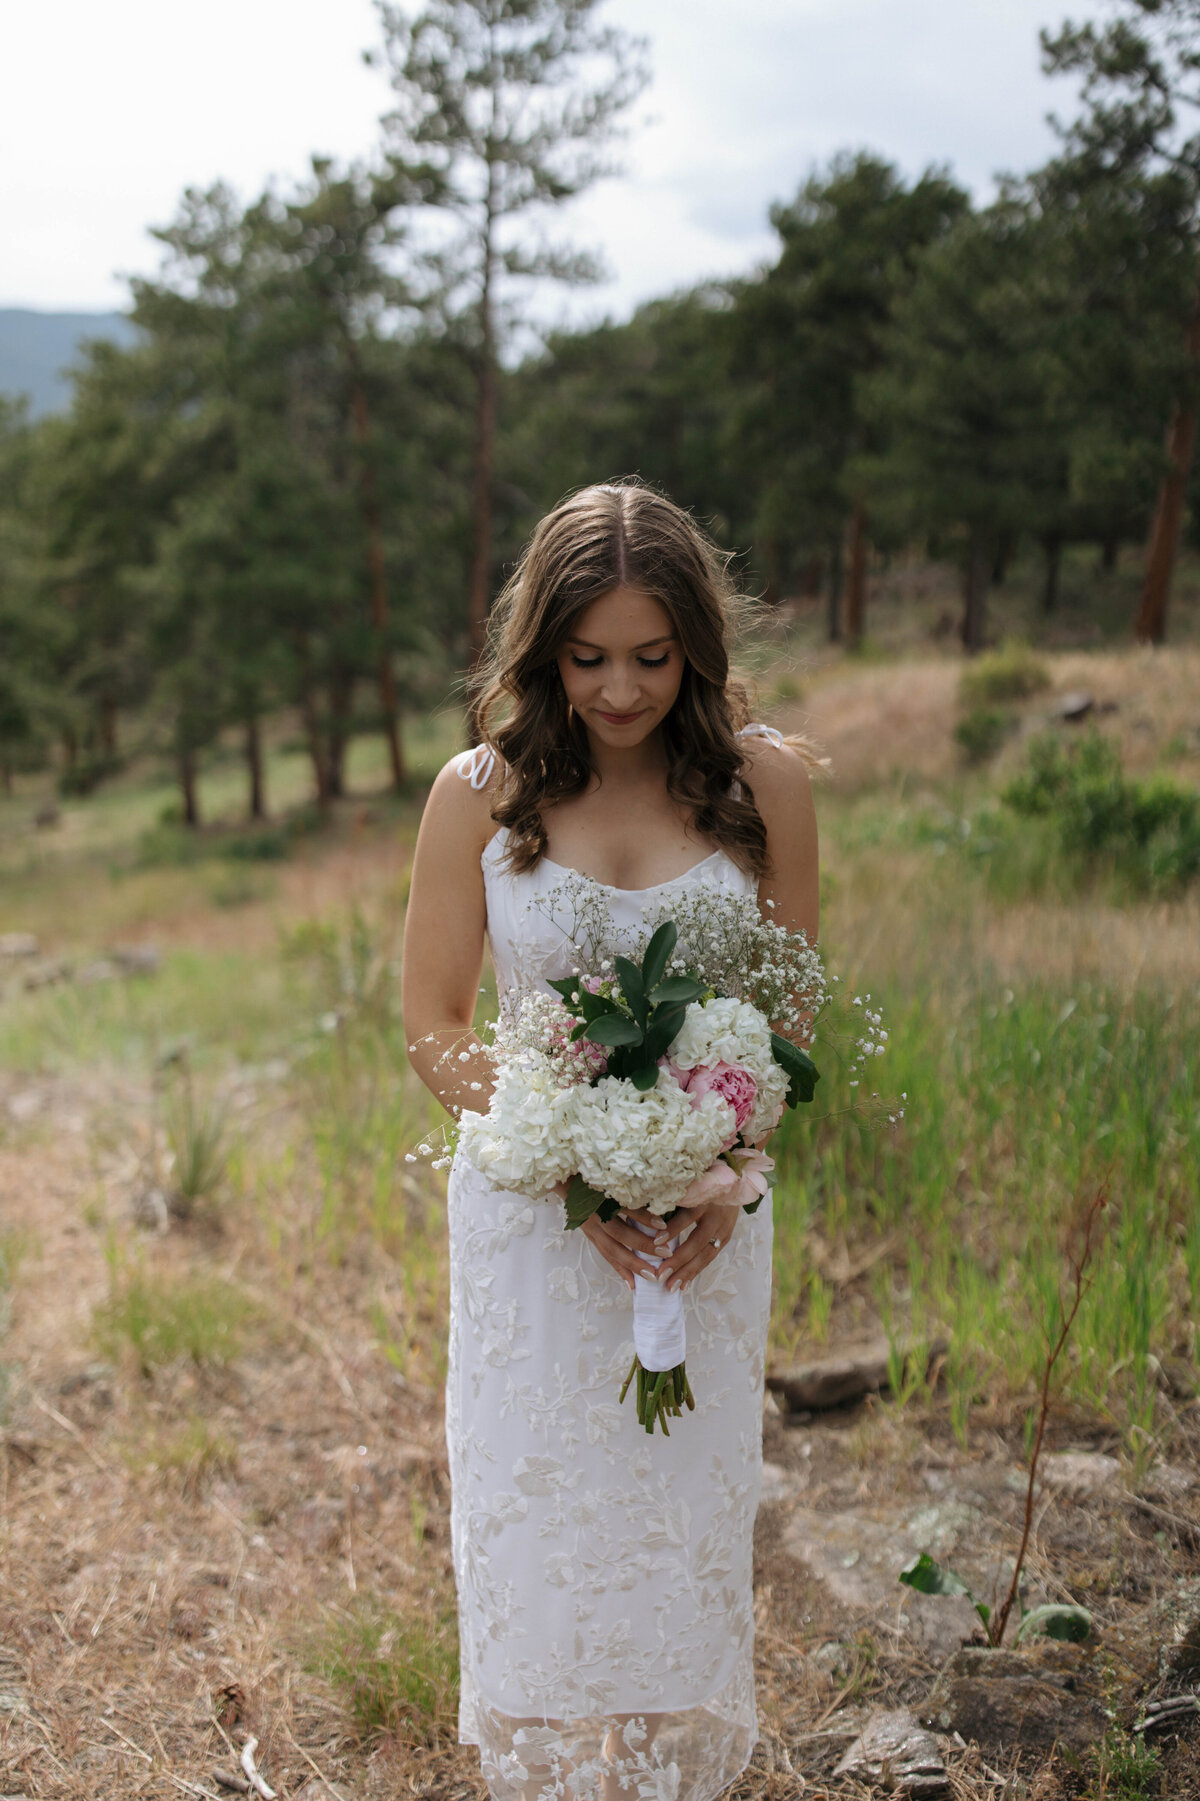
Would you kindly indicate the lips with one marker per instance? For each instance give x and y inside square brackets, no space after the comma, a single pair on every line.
[620,718]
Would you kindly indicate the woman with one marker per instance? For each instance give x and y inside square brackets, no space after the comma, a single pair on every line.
[604,1577]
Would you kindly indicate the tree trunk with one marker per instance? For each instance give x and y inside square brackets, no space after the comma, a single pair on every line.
[810,578]
[1052,546]
[106,724]
[771,554]
[341,696]
[1150,626]
[254,767]
[70,744]
[385,675]
[1110,550]
[856,586]
[187,787]
[975,588]
[312,724]
[835,591]
[1005,546]
[479,591]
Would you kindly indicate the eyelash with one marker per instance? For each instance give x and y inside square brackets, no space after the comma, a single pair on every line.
[595,662]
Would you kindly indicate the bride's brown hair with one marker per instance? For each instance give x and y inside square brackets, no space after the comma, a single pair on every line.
[618,534]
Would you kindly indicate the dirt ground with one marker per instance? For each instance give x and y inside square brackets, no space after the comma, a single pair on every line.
[154,1617]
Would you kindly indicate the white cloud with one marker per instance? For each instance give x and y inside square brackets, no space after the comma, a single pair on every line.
[108,110]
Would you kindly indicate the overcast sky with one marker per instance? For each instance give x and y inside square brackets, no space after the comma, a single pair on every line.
[109,108]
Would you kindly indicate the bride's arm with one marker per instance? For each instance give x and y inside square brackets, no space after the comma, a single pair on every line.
[790,893]
[443,945]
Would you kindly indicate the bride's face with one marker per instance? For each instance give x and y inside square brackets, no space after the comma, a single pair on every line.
[622,666]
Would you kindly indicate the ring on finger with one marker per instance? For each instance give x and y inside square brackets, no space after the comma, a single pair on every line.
[716,1244]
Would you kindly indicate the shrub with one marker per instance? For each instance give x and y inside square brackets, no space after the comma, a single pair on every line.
[1148,830]
[1012,672]
[980,733]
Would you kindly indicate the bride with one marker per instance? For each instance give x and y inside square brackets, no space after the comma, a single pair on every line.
[604,1577]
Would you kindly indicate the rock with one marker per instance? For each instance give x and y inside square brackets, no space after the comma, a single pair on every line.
[150,1209]
[46,817]
[1005,1699]
[779,1484]
[45,973]
[137,959]
[833,1381]
[895,1753]
[17,944]
[102,970]
[1173,1624]
[1081,1472]
[1075,705]
[858,1559]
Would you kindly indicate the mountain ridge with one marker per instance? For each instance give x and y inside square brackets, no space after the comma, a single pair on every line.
[38,348]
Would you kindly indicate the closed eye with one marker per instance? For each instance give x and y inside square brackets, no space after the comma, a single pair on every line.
[595,662]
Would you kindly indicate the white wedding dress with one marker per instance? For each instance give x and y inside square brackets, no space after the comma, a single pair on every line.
[604,1576]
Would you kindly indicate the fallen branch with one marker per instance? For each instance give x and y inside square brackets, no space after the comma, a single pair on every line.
[231,1780]
[252,1776]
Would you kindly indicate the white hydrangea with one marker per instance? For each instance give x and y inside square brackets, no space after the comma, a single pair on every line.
[523,1142]
[644,1149]
[723,1031]
[732,1031]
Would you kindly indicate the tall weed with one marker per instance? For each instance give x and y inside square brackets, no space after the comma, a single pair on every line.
[1018,1104]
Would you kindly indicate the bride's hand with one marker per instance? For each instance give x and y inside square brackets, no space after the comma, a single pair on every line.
[621,1242]
[712,1228]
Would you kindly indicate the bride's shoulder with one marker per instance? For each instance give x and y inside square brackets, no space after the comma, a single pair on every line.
[774,766]
[463,793]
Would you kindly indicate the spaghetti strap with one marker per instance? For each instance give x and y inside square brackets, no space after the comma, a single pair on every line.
[476,766]
[769,732]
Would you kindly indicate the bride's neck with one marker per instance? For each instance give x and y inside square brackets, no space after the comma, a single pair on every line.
[631,768]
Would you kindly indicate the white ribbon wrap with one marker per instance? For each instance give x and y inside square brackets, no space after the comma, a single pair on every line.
[659,1333]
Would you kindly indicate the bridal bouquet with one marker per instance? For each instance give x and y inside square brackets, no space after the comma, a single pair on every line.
[650,1085]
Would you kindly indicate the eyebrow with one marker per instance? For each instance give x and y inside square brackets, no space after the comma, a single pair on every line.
[667,638]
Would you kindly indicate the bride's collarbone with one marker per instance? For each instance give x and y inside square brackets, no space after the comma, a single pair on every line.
[620,851]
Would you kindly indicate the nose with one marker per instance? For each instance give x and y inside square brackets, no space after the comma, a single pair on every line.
[620,691]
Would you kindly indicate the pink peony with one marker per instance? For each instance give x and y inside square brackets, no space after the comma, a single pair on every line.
[715,1184]
[733,1083]
[736,1179]
[752,1168]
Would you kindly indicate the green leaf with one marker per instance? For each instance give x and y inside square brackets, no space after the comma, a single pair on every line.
[578,1031]
[614,1029]
[645,1078]
[658,954]
[1057,1620]
[630,978]
[595,1006]
[930,1578]
[567,986]
[582,1201]
[677,988]
[801,1071]
[663,1030]
[752,1206]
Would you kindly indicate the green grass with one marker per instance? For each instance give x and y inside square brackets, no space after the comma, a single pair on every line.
[159,1320]
[193,1453]
[396,1673]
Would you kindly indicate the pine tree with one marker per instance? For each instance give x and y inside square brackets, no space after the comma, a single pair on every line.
[513,103]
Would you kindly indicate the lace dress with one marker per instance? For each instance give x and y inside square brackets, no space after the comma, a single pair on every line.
[604,1577]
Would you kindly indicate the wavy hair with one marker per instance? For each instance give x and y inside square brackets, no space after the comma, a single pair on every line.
[617,534]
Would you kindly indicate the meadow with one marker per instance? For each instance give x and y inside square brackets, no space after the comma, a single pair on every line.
[208,1217]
